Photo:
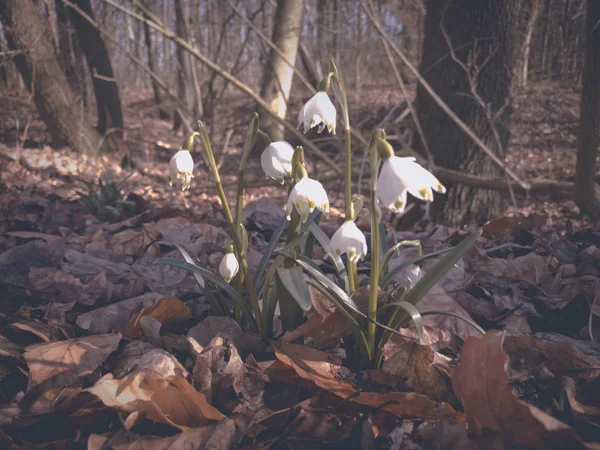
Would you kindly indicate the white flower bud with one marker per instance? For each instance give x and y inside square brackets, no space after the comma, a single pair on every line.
[401,175]
[276,160]
[350,240]
[181,167]
[306,195]
[318,110]
[229,266]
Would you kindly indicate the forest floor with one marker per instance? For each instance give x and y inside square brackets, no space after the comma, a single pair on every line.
[102,348]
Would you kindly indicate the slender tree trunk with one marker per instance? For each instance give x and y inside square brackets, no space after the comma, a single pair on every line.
[279,74]
[589,116]
[153,66]
[182,72]
[41,72]
[536,6]
[491,43]
[110,114]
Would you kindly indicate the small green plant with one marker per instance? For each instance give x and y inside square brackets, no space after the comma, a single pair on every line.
[251,298]
[105,199]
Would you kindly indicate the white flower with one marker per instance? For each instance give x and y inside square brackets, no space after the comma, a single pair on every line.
[276,160]
[401,175]
[305,196]
[318,110]
[350,240]
[181,167]
[229,266]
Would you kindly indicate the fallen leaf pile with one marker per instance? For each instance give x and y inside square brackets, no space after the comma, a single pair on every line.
[102,348]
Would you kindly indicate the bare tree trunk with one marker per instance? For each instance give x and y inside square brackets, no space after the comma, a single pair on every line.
[24,31]
[589,116]
[153,66]
[490,45]
[106,91]
[535,10]
[182,72]
[279,74]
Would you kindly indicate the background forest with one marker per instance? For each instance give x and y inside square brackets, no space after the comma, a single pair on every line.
[499,100]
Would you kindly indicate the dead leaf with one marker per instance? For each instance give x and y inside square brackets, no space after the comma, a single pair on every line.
[438,299]
[115,316]
[228,329]
[141,356]
[325,371]
[42,332]
[218,367]
[531,269]
[61,287]
[170,400]
[128,242]
[169,311]
[33,235]
[418,368]
[63,364]
[481,383]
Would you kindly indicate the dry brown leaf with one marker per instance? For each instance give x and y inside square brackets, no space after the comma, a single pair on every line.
[115,316]
[61,287]
[325,371]
[532,269]
[63,364]
[169,311]
[438,299]
[227,328]
[128,242]
[219,366]
[42,332]
[170,400]
[418,368]
[142,356]
[481,383]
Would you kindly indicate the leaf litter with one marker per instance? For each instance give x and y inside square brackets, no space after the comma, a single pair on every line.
[101,348]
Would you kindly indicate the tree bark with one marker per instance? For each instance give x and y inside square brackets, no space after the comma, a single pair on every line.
[490,45]
[41,72]
[153,66]
[279,74]
[589,116]
[106,91]
[182,66]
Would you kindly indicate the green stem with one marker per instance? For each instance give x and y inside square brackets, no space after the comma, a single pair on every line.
[375,250]
[241,254]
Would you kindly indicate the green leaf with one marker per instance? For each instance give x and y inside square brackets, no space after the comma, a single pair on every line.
[387,279]
[442,267]
[216,281]
[307,248]
[454,314]
[414,314]
[295,283]
[262,265]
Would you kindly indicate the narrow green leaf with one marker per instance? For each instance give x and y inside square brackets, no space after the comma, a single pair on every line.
[295,285]
[414,314]
[262,265]
[387,279]
[390,253]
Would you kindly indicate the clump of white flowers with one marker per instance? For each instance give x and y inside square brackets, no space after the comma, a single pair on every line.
[319,110]
[350,240]
[306,195]
[276,160]
[229,265]
[181,167]
[401,175]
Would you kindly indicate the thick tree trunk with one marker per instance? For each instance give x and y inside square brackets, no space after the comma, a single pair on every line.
[106,91]
[589,116]
[279,74]
[24,31]
[484,34]
[67,43]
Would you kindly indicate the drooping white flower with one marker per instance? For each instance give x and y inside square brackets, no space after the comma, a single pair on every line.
[229,266]
[181,167]
[276,160]
[318,110]
[306,195]
[350,240]
[401,175]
